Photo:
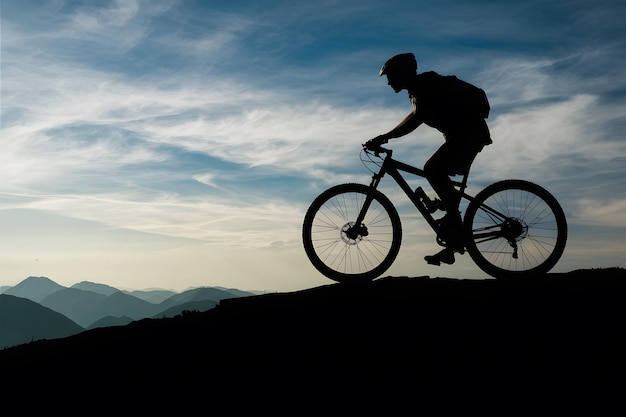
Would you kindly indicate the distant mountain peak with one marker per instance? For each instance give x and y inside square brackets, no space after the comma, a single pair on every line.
[34,278]
[95,287]
[35,288]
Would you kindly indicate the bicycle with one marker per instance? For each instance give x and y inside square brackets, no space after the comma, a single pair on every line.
[352,232]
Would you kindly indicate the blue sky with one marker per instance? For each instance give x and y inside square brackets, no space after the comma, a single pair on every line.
[178,143]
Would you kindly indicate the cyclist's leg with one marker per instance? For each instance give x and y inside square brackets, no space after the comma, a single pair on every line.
[437,170]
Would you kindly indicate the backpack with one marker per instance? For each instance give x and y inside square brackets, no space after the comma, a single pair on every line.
[474,99]
[465,97]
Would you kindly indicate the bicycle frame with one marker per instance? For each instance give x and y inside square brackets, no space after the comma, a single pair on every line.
[395,168]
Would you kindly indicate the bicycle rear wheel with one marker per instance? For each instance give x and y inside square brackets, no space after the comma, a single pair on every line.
[515,228]
[342,250]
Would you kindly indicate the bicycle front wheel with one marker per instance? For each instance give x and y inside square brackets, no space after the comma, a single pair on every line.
[343,250]
[515,228]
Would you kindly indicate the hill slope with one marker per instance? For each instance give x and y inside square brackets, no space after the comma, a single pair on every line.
[556,331]
[23,320]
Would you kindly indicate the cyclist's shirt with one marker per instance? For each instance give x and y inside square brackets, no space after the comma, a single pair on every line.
[445,111]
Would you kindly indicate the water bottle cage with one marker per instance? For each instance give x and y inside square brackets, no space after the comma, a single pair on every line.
[430,205]
[434,205]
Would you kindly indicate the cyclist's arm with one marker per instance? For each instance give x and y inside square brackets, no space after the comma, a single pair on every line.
[406,126]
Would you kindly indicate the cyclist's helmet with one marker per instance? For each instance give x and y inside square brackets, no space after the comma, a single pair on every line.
[402,64]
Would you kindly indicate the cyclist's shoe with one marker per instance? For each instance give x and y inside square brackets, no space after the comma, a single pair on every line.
[446,256]
[450,233]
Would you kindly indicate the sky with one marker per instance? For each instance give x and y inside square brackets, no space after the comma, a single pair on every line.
[176,143]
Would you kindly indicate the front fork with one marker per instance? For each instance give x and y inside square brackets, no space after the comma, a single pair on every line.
[358,228]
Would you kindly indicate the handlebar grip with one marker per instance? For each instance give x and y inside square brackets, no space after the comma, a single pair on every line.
[376,149]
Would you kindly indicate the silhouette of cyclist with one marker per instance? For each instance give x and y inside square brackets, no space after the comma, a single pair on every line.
[465,133]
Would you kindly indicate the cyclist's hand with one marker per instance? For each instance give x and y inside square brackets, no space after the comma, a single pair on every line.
[376,142]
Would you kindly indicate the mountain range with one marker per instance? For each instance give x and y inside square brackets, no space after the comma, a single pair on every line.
[39,308]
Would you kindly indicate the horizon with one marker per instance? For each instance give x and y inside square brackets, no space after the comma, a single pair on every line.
[178,144]
[4,288]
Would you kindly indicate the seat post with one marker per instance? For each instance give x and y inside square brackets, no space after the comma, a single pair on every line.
[462,185]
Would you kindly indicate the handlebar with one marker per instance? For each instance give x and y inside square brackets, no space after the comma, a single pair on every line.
[376,148]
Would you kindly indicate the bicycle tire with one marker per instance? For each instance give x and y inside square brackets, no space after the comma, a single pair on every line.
[534,223]
[345,259]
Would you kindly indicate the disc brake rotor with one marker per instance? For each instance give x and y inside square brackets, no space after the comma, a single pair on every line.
[351,234]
